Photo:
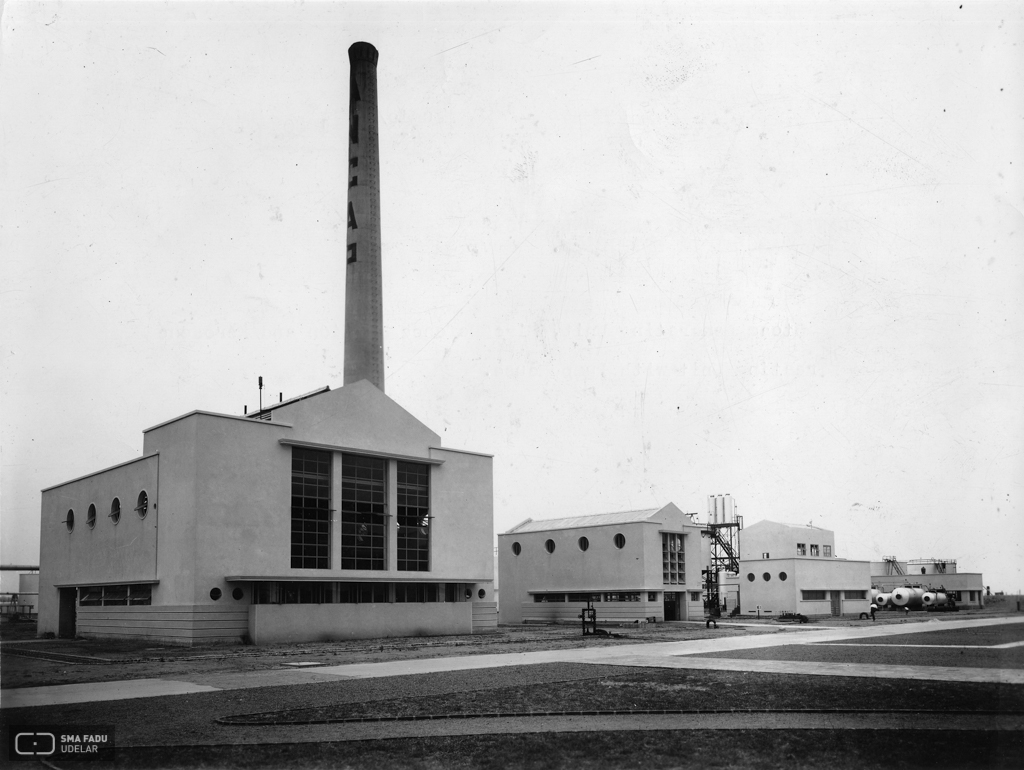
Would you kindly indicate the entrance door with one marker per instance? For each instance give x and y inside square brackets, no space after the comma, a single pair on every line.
[836,606]
[66,613]
[671,606]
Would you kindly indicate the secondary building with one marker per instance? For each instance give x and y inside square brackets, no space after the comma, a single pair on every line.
[966,588]
[335,515]
[632,565]
[793,568]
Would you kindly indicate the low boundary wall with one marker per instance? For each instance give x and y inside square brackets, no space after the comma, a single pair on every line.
[183,624]
[275,623]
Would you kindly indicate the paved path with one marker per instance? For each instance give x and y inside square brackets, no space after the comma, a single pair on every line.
[87,693]
[657,655]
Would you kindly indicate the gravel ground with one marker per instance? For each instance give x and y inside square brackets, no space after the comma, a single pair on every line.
[190,719]
[881,656]
[99,660]
[793,749]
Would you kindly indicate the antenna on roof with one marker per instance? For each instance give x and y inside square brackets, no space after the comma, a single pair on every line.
[261,394]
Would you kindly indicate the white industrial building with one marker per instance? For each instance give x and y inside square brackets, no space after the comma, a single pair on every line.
[631,565]
[967,589]
[793,568]
[334,515]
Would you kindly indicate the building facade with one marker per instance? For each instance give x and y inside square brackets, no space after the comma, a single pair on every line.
[634,565]
[335,515]
[793,568]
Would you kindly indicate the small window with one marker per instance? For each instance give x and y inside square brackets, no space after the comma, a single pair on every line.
[652,596]
[550,546]
[783,576]
[216,593]
[814,549]
[855,594]
[90,517]
[694,596]
[766,555]
[69,522]
[923,570]
[142,507]
[750,576]
[767,576]
[620,540]
[115,510]
[516,549]
[584,543]
[813,596]
[826,550]
[237,594]
[801,549]
[481,593]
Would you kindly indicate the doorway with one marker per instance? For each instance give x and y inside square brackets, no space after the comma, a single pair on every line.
[671,606]
[836,606]
[66,612]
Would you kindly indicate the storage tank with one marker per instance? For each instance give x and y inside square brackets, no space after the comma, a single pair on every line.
[907,596]
[882,599]
[934,599]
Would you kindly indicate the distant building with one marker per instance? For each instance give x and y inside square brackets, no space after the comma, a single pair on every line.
[966,588]
[632,565]
[793,568]
[335,515]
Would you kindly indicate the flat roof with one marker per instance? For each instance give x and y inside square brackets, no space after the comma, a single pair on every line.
[249,420]
[593,520]
[104,470]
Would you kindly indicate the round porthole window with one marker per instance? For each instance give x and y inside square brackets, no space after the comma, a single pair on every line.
[115,510]
[767,576]
[750,576]
[469,593]
[481,593]
[237,594]
[142,507]
[216,593]
[516,549]
[620,540]
[69,522]
[783,576]
[550,546]
[584,543]
[90,517]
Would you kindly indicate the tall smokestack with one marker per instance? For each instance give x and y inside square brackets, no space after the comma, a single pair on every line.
[364,317]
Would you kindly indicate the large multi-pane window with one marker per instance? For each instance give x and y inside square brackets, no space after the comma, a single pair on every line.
[413,517]
[416,592]
[363,512]
[311,509]
[673,559]
[115,595]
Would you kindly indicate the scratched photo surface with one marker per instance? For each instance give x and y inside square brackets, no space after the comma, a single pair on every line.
[638,252]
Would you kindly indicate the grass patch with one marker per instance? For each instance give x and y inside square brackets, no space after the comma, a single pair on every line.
[662,689]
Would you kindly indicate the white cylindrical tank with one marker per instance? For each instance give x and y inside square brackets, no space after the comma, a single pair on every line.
[933,599]
[727,509]
[28,590]
[718,509]
[882,599]
[905,596]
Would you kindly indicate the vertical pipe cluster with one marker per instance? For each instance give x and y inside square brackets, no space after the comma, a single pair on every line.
[364,316]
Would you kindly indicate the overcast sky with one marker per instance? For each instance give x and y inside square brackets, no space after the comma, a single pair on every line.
[640,253]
